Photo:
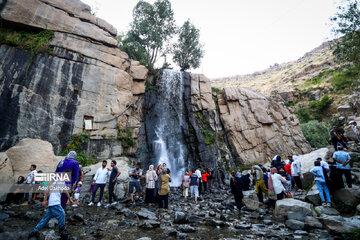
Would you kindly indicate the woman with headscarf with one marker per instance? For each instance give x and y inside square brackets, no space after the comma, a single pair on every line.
[276,183]
[151,179]
[164,189]
[15,194]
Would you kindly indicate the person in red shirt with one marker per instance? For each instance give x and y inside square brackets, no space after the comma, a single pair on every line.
[205,176]
[287,167]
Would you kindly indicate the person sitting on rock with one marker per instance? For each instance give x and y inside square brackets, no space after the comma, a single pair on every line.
[54,210]
[275,183]
[296,173]
[77,191]
[260,187]
[237,190]
[318,173]
[16,194]
[343,160]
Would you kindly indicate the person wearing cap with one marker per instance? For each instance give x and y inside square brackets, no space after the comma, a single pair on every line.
[343,160]
[355,129]
[336,139]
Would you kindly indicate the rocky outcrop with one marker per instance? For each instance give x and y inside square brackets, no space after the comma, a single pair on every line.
[259,128]
[86,78]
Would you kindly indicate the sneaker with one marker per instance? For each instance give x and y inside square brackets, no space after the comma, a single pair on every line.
[74,205]
[98,204]
[91,204]
[133,204]
[107,205]
[114,203]
[328,204]
[324,204]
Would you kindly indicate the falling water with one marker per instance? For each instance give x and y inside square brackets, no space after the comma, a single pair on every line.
[168,143]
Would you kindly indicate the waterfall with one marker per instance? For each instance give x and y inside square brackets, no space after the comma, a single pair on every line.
[167,122]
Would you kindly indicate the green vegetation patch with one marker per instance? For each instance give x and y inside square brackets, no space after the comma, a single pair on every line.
[216,90]
[77,144]
[316,133]
[125,136]
[209,136]
[149,86]
[315,110]
[345,81]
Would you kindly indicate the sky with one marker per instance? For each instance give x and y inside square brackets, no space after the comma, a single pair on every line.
[241,36]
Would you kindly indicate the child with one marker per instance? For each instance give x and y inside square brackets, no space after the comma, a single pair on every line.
[54,210]
[77,194]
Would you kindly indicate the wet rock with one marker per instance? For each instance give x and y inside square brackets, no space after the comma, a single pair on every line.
[312,222]
[52,223]
[144,238]
[252,204]
[243,226]
[128,213]
[268,222]
[79,217]
[4,216]
[282,207]
[339,225]
[215,223]
[213,214]
[150,224]
[124,223]
[347,197]
[300,216]
[195,219]
[179,217]
[170,232]
[31,215]
[326,210]
[300,232]
[14,235]
[182,235]
[186,228]
[295,224]
[112,222]
[146,214]
[49,235]
[313,196]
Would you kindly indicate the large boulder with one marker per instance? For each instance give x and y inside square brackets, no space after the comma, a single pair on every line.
[32,151]
[7,175]
[282,207]
[339,224]
[307,160]
[313,196]
[346,199]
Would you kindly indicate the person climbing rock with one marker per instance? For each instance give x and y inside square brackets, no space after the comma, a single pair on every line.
[260,187]
[336,139]
[320,181]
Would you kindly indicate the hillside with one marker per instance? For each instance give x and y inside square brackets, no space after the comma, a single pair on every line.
[283,77]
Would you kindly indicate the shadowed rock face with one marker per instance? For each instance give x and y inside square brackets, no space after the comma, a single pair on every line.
[87,76]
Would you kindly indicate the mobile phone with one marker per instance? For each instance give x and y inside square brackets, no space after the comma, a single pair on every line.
[5,160]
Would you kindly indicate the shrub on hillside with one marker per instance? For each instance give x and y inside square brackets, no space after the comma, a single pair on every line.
[316,133]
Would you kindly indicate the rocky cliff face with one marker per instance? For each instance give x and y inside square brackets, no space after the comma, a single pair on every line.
[86,77]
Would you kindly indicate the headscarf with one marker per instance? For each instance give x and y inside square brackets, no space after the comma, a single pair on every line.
[258,172]
[270,184]
[151,167]
[71,155]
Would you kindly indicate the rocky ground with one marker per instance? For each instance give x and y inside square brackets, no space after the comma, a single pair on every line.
[214,217]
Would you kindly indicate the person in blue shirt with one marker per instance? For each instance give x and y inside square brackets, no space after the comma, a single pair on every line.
[320,181]
[342,160]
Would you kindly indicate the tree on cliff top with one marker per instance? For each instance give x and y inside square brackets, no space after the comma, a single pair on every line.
[152,27]
[346,25]
[188,51]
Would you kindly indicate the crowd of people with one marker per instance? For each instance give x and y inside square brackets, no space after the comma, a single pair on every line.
[275,183]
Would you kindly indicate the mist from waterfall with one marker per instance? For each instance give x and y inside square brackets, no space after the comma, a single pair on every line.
[168,145]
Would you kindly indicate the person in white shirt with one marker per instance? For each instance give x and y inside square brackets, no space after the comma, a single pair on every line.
[54,210]
[30,180]
[296,172]
[198,174]
[100,182]
[356,130]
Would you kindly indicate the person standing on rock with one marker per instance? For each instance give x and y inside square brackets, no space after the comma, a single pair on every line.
[151,178]
[211,178]
[30,180]
[260,187]
[343,160]
[69,165]
[204,178]
[296,174]
[115,173]
[237,190]
[276,183]
[335,138]
[135,175]
[164,189]
[194,187]
[185,183]
[198,174]
[245,180]
[276,162]
[222,178]
[54,210]
[320,181]
[356,130]
[100,182]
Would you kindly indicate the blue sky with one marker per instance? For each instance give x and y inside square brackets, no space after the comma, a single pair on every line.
[241,36]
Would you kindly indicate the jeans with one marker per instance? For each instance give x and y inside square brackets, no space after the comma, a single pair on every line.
[347,173]
[322,187]
[164,201]
[101,186]
[335,142]
[111,192]
[205,185]
[52,212]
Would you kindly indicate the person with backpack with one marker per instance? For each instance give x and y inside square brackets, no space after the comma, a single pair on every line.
[320,181]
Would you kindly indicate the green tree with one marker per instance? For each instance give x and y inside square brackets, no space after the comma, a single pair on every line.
[188,51]
[346,25]
[152,27]
[316,133]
